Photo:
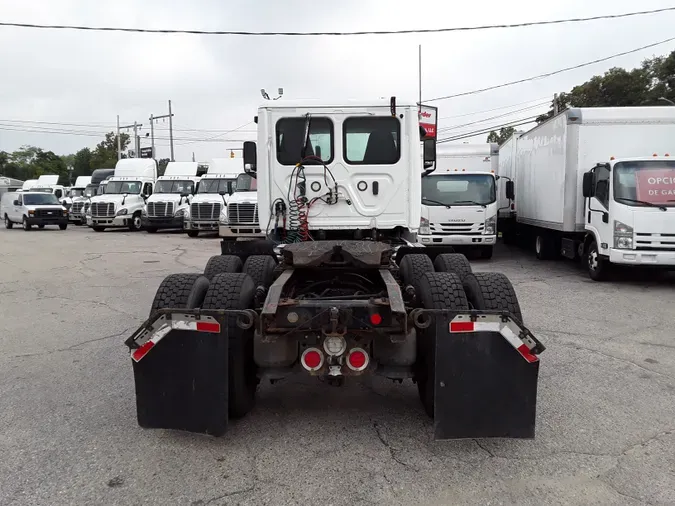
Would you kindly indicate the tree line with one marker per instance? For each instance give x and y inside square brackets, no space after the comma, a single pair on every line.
[30,162]
[652,83]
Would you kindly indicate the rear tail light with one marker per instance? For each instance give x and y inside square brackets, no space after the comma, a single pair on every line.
[375,319]
[312,359]
[358,359]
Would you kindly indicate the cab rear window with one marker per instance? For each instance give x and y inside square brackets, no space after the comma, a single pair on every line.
[290,134]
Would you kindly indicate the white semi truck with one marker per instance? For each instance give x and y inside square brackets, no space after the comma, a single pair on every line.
[50,183]
[209,204]
[599,184]
[337,290]
[125,195]
[241,220]
[77,195]
[169,204]
[459,199]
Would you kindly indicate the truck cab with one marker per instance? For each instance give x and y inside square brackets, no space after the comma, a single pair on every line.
[125,195]
[77,195]
[208,205]
[169,204]
[50,184]
[240,221]
[630,212]
[459,199]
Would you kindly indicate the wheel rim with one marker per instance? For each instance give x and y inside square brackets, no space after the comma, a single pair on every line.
[137,222]
[6,221]
[25,223]
[593,259]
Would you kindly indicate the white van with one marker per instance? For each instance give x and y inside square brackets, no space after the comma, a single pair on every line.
[33,208]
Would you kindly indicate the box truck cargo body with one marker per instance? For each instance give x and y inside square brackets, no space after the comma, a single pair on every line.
[598,183]
[506,217]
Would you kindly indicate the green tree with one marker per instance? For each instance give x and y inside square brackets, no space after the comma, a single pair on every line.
[105,154]
[500,138]
[32,162]
[82,163]
[161,166]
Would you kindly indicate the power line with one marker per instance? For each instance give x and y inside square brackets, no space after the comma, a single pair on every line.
[455,127]
[549,74]
[305,34]
[494,109]
[487,130]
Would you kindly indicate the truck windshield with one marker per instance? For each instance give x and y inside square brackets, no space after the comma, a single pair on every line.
[38,199]
[90,190]
[246,183]
[645,183]
[217,185]
[458,189]
[76,192]
[101,189]
[119,187]
[175,186]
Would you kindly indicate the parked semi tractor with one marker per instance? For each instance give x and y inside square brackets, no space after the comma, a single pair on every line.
[338,290]
[459,199]
[169,204]
[210,202]
[599,184]
[77,194]
[241,221]
[126,192]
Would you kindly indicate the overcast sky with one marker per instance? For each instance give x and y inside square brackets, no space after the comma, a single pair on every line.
[86,79]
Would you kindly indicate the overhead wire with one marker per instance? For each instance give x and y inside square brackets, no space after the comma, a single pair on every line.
[463,125]
[487,130]
[339,33]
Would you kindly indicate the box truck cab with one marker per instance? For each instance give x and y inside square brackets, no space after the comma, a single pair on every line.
[210,201]
[125,195]
[459,199]
[598,184]
[241,220]
[167,207]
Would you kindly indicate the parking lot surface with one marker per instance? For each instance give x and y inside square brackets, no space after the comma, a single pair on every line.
[68,431]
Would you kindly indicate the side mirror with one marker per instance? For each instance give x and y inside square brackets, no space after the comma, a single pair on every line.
[588,185]
[429,153]
[16,203]
[250,157]
[510,190]
[222,193]
[185,195]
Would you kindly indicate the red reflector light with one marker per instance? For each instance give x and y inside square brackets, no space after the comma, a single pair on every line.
[208,327]
[139,353]
[357,359]
[526,353]
[312,359]
[461,326]
[375,319]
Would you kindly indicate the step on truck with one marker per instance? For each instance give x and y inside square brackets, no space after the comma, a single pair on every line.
[459,199]
[338,290]
[242,221]
[209,205]
[169,204]
[125,195]
[598,184]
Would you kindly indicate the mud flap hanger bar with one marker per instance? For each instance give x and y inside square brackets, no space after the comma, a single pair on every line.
[163,321]
[504,323]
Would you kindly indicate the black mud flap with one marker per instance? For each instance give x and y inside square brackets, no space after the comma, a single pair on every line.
[484,387]
[182,383]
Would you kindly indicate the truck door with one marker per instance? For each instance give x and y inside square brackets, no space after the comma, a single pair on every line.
[597,214]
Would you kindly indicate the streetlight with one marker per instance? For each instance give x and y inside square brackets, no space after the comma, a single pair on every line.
[264,94]
[664,99]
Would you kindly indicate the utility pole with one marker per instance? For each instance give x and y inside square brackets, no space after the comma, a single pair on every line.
[556,104]
[119,141]
[137,139]
[152,130]
[419,74]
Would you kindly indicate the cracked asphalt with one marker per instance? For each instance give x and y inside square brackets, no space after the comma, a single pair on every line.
[68,432]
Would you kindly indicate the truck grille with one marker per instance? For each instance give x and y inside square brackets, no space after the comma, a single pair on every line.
[655,242]
[160,209]
[48,213]
[102,209]
[242,213]
[457,228]
[77,207]
[203,211]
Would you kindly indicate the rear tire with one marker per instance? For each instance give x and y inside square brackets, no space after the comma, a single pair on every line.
[180,291]
[543,247]
[453,262]
[236,291]
[492,291]
[193,233]
[261,269]
[413,267]
[62,227]
[98,229]
[220,264]
[8,223]
[436,290]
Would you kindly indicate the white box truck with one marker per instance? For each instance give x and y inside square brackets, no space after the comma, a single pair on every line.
[506,217]
[459,199]
[599,184]
[125,195]
[169,204]
[209,204]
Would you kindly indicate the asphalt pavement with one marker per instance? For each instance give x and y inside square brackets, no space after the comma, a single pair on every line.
[68,431]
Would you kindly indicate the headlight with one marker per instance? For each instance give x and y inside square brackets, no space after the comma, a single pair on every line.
[65,212]
[425,229]
[490,226]
[31,213]
[623,235]
[223,217]
[122,212]
[180,213]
